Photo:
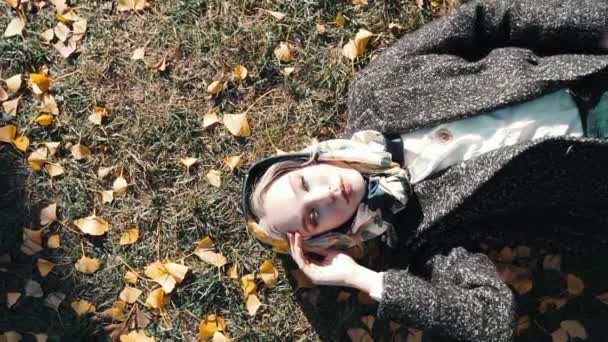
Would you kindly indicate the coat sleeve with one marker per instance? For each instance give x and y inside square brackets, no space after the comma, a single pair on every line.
[463,300]
[547,27]
[487,54]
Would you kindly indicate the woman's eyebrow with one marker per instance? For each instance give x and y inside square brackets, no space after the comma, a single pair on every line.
[293,188]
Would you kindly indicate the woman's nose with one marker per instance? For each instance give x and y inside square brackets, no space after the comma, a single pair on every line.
[320,197]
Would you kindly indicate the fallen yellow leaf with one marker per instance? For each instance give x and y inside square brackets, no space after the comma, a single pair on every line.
[129,237]
[116,312]
[33,289]
[210,325]
[82,307]
[29,247]
[356,47]
[53,169]
[340,20]
[15,27]
[40,83]
[54,299]
[48,214]
[368,320]
[156,299]
[14,4]
[359,335]
[12,298]
[575,284]
[219,337]
[136,336]
[68,17]
[120,185]
[130,278]
[87,265]
[269,273]
[62,32]
[343,296]
[49,105]
[10,107]
[107,196]
[204,252]
[13,84]
[3,97]
[44,266]
[12,336]
[80,151]
[239,73]
[248,284]
[132,5]
[48,35]
[574,329]
[233,162]
[559,335]
[277,15]
[40,337]
[22,143]
[237,124]
[505,255]
[103,172]
[60,5]
[54,241]
[7,133]
[320,28]
[44,120]
[552,262]
[97,115]
[80,28]
[253,304]
[215,87]
[37,157]
[92,225]
[360,3]
[210,118]
[160,65]
[32,235]
[283,52]
[166,274]
[214,177]
[52,147]
[233,271]
[523,323]
[65,49]
[138,54]
[188,161]
[129,294]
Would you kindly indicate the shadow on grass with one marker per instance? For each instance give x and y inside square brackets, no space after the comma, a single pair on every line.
[342,314]
[30,315]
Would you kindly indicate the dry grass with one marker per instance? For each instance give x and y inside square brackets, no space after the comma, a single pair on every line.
[156,118]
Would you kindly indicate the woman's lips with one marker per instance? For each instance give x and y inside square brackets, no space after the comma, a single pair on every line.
[346,190]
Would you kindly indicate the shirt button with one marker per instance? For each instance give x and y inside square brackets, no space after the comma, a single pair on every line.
[442,136]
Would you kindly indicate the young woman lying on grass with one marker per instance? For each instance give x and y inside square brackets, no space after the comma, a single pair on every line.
[494,113]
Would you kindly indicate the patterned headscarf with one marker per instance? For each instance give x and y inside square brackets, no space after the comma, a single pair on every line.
[387,193]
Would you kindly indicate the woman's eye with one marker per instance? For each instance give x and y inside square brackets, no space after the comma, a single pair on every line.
[304,183]
[314,217]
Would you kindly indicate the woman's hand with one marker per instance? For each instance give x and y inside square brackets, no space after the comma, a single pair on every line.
[336,268]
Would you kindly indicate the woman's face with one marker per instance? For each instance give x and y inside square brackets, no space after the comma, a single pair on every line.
[313,199]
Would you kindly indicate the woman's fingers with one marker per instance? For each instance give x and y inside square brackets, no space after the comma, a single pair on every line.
[296,251]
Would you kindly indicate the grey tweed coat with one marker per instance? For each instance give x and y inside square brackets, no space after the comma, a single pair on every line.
[487,55]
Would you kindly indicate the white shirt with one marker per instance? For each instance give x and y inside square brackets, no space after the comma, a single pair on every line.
[432,149]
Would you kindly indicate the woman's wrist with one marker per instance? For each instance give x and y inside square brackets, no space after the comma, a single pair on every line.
[365,279]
